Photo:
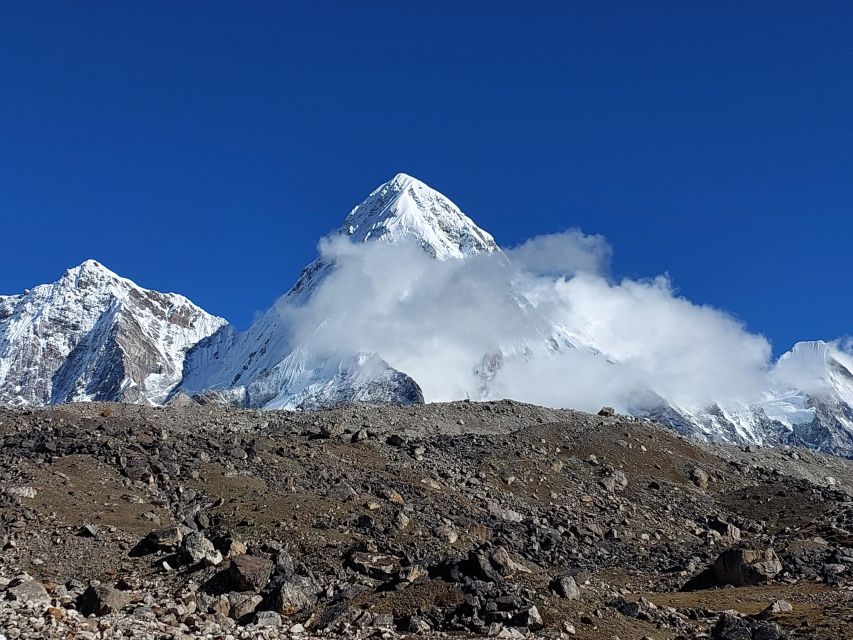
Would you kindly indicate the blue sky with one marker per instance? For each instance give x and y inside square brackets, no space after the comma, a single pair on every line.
[205,148]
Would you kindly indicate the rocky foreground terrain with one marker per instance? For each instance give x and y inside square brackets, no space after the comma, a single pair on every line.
[453,520]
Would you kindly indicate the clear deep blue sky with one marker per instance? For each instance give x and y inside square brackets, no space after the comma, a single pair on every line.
[205,147]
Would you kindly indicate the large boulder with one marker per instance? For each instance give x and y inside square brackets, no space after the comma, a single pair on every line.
[249,573]
[296,595]
[28,591]
[740,567]
[101,600]
[242,604]
[731,627]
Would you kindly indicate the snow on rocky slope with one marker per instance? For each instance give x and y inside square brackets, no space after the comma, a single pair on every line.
[93,335]
[262,367]
[809,401]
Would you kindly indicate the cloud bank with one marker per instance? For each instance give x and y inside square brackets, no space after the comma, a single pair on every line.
[546,325]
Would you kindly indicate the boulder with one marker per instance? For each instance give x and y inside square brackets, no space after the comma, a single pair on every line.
[249,573]
[296,595]
[731,627]
[196,548]
[268,619]
[741,567]
[375,565]
[566,587]
[166,539]
[28,591]
[700,478]
[101,600]
[242,604]
[530,618]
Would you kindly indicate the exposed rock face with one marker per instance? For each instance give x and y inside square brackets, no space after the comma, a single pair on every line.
[93,335]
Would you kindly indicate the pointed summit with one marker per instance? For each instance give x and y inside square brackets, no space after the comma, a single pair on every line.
[406,209]
[90,269]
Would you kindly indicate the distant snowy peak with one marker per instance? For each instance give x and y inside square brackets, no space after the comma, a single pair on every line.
[93,335]
[405,208]
[402,210]
[817,368]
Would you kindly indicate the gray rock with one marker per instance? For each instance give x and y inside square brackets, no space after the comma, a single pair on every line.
[566,587]
[196,548]
[741,567]
[167,539]
[242,604]
[28,591]
[296,595]
[101,600]
[268,619]
[700,478]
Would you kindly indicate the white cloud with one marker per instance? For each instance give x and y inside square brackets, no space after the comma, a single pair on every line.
[563,254]
[436,321]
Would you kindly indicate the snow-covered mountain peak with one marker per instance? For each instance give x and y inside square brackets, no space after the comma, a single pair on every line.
[93,335]
[406,209]
[90,274]
[812,363]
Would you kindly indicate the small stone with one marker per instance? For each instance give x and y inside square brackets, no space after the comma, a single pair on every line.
[268,619]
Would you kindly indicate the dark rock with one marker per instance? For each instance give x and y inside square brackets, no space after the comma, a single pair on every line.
[249,573]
